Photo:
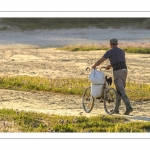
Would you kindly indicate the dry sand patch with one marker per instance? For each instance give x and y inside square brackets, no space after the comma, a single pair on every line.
[33,61]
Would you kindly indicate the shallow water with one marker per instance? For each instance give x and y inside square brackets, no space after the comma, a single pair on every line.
[62,37]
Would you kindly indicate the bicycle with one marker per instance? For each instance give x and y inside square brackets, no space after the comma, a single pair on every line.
[109,98]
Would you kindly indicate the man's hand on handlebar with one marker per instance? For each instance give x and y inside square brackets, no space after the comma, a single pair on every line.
[108,67]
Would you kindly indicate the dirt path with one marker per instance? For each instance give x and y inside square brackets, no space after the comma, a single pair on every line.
[52,103]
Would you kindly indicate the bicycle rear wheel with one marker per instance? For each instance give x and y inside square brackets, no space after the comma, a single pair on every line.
[110,101]
[87,100]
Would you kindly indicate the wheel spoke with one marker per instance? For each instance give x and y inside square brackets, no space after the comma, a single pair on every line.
[110,101]
[87,100]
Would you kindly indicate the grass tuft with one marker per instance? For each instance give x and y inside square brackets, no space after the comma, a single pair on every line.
[127,47]
[21,121]
[76,86]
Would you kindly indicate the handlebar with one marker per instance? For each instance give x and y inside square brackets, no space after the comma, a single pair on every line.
[102,68]
[88,68]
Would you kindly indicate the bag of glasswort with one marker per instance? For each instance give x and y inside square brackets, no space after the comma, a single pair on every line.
[97,79]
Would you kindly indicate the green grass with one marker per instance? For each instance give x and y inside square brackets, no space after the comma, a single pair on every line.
[21,121]
[84,47]
[143,49]
[138,91]
[61,85]
[76,86]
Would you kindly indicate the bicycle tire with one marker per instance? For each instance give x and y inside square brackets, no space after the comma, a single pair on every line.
[110,101]
[87,100]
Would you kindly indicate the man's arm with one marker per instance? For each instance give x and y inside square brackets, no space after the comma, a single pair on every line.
[98,62]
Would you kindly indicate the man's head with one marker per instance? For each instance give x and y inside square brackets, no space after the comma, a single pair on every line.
[113,42]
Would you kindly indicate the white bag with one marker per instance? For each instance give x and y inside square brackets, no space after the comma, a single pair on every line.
[96,90]
[97,77]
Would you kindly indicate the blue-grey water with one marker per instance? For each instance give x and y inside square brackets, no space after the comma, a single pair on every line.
[62,37]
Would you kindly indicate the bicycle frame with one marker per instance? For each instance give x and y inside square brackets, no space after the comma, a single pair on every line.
[108,97]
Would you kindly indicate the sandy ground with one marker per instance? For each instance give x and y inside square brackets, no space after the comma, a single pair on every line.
[33,53]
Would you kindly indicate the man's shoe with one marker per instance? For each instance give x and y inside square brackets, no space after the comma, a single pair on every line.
[130,109]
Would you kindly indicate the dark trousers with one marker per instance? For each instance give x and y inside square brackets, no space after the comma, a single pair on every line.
[120,77]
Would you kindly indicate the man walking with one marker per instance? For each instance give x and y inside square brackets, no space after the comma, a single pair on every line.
[117,60]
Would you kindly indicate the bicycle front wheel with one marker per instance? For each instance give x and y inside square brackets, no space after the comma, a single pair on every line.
[110,101]
[87,100]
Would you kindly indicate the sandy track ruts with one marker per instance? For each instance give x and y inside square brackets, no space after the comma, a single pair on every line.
[52,103]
